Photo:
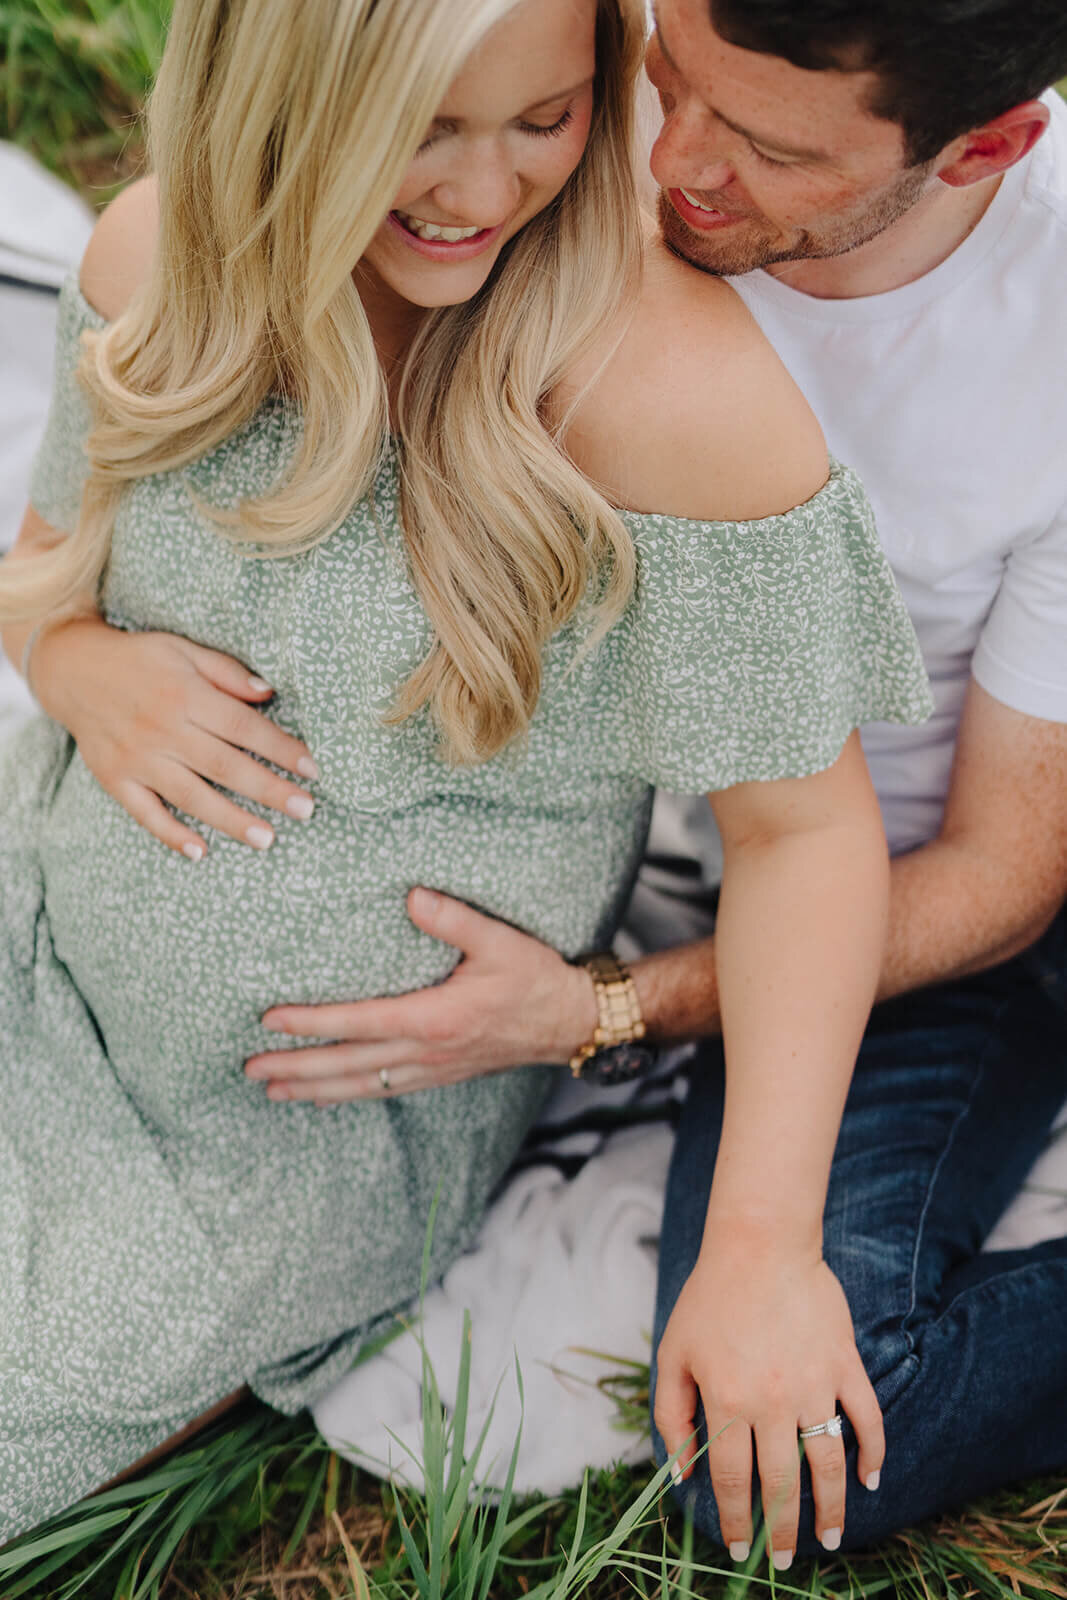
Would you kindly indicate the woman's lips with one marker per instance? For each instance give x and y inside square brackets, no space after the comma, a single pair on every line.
[696,216]
[445,249]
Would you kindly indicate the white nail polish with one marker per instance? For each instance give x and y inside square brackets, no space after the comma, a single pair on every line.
[783,1560]
[259,686]
[831,1539]
[873,1480]
[195,852]
[740,1550]
[300,806]
[259,838]
[676,1474]
[307,768]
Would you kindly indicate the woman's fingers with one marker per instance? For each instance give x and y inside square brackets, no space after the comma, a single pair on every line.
[860,1404]
[147,809]
[779,1469]
[246,777]
[242,726]
[180,787]
[232,676]
[826,1461]
[730,1466]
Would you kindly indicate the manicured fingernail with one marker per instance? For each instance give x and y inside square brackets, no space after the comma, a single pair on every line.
[831,1539]
[307,768]
[740,1550]
[195,852]
[259,838]
[259,686]
[783,1560]
[676,1474]
[873,1480]
[300,806]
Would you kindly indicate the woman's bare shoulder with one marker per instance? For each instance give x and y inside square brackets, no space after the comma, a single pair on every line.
[692,414]
[118,258]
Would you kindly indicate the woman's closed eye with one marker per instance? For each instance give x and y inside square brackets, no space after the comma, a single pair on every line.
[552,129]
[537,130]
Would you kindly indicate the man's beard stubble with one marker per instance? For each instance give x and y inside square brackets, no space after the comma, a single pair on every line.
[752,244]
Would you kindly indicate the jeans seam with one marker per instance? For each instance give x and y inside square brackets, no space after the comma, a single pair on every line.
[964,1110]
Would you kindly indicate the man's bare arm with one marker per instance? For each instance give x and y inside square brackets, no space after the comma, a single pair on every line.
[983,890]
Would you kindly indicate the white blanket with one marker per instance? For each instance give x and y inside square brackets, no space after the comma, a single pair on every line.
[562,1276]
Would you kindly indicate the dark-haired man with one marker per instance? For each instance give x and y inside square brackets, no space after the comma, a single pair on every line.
[887,188]
[893,173]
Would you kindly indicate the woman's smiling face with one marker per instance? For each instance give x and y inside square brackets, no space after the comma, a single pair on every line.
[506,138]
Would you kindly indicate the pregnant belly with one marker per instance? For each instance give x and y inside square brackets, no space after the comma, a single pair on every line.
[178,961]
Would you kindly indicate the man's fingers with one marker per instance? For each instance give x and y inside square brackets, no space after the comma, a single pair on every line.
[361,1063]
[730,1466]
[457,924]
[860,1404]
[362,1021]
[779,1469]
[826,1461]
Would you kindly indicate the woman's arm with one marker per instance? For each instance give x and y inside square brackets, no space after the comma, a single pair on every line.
[159,721]
[762,1330]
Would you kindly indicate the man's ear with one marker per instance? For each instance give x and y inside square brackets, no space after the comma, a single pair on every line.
[995,146]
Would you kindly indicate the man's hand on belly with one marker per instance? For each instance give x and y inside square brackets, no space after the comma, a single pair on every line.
[511,1000]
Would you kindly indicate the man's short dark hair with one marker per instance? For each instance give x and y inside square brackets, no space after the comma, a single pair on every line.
[945,66]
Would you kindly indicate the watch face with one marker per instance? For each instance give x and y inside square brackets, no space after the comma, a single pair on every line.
[618,1063]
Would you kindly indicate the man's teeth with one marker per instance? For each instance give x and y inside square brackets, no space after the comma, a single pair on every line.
[430,230]
[693,201]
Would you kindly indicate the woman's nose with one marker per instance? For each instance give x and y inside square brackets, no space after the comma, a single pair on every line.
[482,192]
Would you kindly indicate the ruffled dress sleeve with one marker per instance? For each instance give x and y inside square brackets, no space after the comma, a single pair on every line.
[61,465]
[753,649]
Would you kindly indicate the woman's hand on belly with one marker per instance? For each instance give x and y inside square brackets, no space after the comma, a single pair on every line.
[510,1001]
[161,722]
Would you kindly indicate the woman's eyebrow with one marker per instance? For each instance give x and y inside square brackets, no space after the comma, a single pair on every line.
[563,94]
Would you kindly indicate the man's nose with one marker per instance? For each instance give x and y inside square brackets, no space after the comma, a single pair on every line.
[686,155]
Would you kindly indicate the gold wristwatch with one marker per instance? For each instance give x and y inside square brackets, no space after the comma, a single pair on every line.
[613,1054]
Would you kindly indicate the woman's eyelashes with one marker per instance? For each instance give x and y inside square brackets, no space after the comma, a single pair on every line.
[553,130]
[536,129]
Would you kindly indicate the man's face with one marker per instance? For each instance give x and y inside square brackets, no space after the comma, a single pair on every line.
[762,162]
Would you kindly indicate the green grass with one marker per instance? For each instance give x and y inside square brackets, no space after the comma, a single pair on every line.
[73,75]
[257,1507]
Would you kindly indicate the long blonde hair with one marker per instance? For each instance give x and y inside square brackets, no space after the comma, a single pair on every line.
[280,133]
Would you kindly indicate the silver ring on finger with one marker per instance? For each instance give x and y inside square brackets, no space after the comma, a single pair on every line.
[384,1079]
[833,1428]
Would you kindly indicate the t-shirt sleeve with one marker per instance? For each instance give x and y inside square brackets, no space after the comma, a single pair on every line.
[61,465]
[754,649]
[1021,657]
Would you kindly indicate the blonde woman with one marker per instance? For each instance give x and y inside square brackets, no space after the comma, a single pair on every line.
[370,396]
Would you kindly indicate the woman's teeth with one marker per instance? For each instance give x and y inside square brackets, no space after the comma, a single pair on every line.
[430,230]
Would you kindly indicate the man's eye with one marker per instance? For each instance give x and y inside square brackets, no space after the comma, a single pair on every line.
[769,160]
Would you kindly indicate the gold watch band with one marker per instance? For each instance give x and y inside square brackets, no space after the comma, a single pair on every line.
[619,1017]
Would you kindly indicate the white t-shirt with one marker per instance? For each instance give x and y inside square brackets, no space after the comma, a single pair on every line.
[949,397]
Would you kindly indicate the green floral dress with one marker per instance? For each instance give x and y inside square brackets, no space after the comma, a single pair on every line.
[166,1232]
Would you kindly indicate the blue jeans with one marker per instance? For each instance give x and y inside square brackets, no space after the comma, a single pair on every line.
[954,1092]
